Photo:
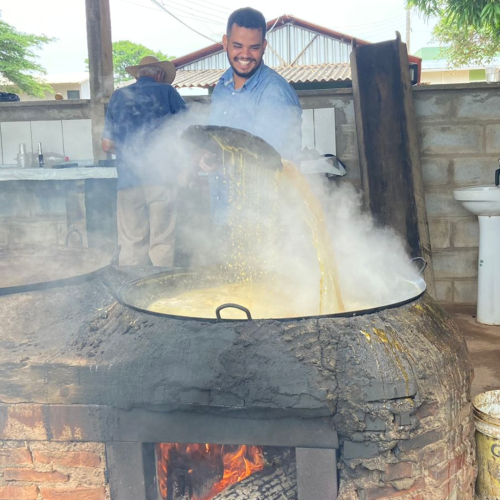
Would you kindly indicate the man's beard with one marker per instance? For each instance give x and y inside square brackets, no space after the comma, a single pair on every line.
[245,75]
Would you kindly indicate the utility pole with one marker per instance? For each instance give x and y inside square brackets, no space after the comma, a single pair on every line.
[408,28]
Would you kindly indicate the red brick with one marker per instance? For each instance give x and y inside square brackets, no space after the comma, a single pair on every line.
[432,458]
[447,489]
[390,492]
[78,494]
[24,421]
[440,474]
[34,476]
[427,410]
[456,464]
[68,459]
[15,456]
[18,492]
[398,471]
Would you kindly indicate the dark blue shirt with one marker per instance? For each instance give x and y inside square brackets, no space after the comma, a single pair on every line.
[266,106]
[136,121]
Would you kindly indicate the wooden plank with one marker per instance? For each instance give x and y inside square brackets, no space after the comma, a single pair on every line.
[100,67]
[388,146]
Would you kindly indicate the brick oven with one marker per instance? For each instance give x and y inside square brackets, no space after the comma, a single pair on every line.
[355,406]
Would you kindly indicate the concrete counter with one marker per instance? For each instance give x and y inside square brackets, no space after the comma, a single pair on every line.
[60,174]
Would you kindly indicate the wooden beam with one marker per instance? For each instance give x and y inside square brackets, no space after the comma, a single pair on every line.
[100,67]
[388,146]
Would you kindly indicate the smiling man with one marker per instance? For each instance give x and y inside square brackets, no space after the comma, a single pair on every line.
[253,97]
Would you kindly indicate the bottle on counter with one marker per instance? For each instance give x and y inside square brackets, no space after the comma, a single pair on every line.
[40,155]
[23,158]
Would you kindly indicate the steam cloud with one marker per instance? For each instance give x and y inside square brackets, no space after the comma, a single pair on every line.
[373,265]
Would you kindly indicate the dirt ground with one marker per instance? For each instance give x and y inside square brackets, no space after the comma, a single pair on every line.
[483,342]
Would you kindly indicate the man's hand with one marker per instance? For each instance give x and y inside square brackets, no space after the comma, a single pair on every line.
[209,163]
[108,146]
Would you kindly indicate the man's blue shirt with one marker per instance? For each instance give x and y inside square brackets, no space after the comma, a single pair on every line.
[266,106]
[134,114]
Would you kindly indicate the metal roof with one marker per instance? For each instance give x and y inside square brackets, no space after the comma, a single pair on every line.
[290,41]
[206,78]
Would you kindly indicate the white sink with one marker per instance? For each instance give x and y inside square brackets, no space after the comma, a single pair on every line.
[484,201]
[479,200]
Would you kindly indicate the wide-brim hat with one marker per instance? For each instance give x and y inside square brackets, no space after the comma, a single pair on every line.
[167,66]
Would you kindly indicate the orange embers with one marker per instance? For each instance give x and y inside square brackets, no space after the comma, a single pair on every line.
[201,471]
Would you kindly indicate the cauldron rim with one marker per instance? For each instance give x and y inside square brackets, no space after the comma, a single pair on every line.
[73,278]
[120,296]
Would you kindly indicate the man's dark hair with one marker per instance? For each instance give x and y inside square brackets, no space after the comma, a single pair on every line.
[247,18]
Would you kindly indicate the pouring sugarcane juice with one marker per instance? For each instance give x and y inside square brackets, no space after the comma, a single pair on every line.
[257,273]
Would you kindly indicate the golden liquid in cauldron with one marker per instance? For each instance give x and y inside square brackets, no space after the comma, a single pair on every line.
[260,298]
[264,294]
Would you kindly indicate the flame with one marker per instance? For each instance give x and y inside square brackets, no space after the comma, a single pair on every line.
[238,463]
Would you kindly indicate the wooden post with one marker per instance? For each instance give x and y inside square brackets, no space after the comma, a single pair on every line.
[100,67]
[389,156]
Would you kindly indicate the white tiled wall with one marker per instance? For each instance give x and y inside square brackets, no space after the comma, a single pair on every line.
[49,133]
[324,130]
[308,129]
[77,139]
[318,130]
[13,134]
[71,138]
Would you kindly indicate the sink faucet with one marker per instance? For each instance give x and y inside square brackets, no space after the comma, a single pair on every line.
[497,176]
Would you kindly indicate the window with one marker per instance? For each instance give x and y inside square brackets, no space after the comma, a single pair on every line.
[73,94]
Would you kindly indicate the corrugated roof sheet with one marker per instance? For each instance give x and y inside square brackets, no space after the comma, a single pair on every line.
[206,78]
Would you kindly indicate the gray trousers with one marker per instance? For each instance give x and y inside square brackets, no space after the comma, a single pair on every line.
[146,218]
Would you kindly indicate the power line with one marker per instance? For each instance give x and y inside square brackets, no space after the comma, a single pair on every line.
[193,12]
[182,22]
[200,19]
[222,10]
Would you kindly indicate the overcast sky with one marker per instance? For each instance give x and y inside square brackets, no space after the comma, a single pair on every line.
[141,21]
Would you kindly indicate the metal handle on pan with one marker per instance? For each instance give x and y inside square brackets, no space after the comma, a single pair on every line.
[235,306]
[424,264]
[74,231]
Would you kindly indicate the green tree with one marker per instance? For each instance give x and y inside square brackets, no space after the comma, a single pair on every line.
[127,53]
[469,29]
[18,65]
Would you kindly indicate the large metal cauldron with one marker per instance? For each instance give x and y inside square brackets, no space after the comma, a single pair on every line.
[141,293]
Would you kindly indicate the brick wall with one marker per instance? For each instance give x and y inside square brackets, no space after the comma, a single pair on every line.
[43,470]
[459,130]
[40,212]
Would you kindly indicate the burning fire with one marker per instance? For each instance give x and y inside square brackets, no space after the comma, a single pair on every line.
[201,471]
